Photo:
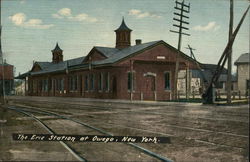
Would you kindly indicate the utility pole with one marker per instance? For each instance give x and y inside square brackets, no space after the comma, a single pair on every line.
[181,10]
[197,63]
[1,52]
[203,79]
[229,63]
[188,73]
[208,95]
[2,88]
[191,52]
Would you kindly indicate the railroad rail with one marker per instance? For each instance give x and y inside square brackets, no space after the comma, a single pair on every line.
[65,145]
[108,107]
[27,112]
[180,127]
[175,126]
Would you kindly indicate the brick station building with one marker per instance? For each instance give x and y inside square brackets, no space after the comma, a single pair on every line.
[6,78]
[144,71]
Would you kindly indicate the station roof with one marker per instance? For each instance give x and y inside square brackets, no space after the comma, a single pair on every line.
[48,67]
[208,74]
[6,64]
[113,55]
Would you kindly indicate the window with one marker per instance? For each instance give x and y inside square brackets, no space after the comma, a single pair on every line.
[106,83]
[49,84]
[219,85]
[57,84]
[75,83]
[131,81]
[73,80]
[92,81]
[34,85]
[30,84]
[86,83]
[167,81]
[60,84]
[114,84]
[153,83]
[40,85]
[100,80]
[248,84]
[44,85]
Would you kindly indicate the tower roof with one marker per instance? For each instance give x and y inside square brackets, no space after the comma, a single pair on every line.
[57,48]
[123,26]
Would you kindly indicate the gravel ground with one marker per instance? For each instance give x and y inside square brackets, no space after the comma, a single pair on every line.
[197,132]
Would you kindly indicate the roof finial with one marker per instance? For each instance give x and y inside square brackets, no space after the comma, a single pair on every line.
[123,26]
[57,48]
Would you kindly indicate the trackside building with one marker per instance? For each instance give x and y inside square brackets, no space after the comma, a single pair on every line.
[144,71]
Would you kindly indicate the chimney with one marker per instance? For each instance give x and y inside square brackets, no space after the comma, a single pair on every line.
[137,41]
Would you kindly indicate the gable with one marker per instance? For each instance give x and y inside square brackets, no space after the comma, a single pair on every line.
[35,68]
[160,52]
[94,55]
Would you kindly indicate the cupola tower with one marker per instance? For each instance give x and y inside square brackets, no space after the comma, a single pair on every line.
[123,36]
[57,54]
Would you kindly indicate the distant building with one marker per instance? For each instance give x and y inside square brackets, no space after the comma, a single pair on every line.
[6,78]
[243,70]
[19,88]
[144,71]
[199,79]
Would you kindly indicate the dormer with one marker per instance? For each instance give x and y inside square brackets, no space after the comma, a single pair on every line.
[94,55]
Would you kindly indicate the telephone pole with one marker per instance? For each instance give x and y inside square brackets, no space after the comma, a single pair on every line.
[208,95]
[189,74]
[1,53]
[229,63]
[181,19]
[191,52]
[2,88]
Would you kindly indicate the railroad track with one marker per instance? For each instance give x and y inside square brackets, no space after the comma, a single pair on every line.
[171,125]
[65,145]
[38,110]
[142,110]
[68,147]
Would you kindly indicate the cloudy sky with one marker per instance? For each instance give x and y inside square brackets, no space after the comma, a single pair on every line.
[31,28]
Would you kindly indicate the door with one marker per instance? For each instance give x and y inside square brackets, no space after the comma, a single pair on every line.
[149,88]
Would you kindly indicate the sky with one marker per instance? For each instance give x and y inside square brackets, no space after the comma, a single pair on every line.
[31,28]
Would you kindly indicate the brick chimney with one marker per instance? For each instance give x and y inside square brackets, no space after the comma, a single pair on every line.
[137,41]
